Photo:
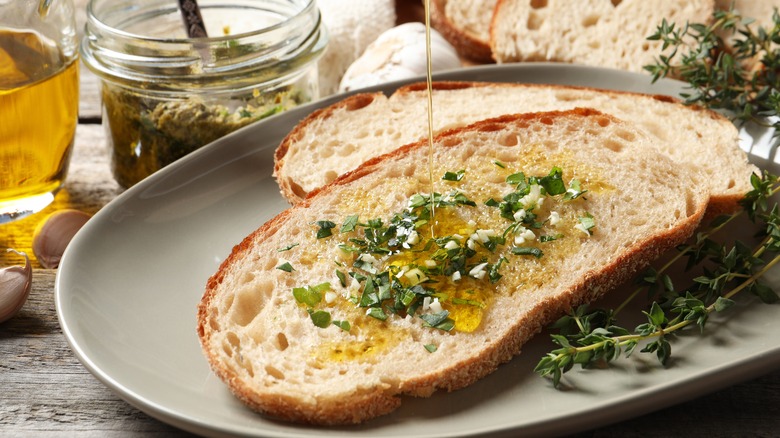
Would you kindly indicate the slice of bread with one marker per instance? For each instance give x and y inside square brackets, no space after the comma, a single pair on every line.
[337,139]
[466,25]
[256,320]
[604,33]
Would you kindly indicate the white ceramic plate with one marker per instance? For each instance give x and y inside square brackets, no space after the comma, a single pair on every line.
[128,286]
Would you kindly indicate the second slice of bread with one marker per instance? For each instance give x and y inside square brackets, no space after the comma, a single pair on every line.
[337,139]
[256,320]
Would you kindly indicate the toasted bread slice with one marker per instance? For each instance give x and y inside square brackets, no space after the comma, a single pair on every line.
[604,33]
[297,340]
[337,139]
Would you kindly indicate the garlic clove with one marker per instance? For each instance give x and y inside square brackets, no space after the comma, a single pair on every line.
[54,233]
[15,282]
[399,53]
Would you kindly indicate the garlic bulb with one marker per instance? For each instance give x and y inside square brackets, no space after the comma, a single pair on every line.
[15,282]
[53,235]
[352,26]
[399,53]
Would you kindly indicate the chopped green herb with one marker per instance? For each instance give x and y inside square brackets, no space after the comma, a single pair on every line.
[286,267]
[320,318]
[499,164]
[463,301]
[516,178]
[439,320]
[349,248]
[287,248]
[454,176]
[493,242]
[310,295]
[349,224]
[493,274]
[370,296]
[388,287]
[574,191]
[550,237]
[587,222]
[377,312]
[325,229]
[342,278]
[527,250]
[431,348]
[553,182]
[344,325]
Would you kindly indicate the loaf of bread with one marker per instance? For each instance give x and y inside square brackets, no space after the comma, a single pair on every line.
[363,293]
[605,33]
[337,139]
[466,25]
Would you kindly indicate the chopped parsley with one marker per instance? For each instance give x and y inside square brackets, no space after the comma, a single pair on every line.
[287,248]
[395,271]
[587,223]
[342,278]
[553,182]
[344,325]
[325,229]
[310,295]
[550,237]
[320,318]
[349,224]
[574,191]
[527,250]
[286,267]
[377,312]
[454,176]
[439,320]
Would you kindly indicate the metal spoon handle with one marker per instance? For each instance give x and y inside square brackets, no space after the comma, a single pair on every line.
[193,21]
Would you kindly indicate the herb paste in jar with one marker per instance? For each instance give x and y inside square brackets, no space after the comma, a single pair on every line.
[147,134]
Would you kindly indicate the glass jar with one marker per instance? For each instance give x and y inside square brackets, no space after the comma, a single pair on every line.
[165,95]
[39,96]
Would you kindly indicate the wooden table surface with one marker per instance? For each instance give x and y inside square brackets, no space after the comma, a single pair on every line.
[45,391]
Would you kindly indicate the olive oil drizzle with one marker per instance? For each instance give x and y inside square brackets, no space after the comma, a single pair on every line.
[430,110]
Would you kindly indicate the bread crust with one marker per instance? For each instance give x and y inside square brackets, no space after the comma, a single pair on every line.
[365,403]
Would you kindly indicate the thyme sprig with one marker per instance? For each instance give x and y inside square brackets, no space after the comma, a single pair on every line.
[593,337]
[729,64]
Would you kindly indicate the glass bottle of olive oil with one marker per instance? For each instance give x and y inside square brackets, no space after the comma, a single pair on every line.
[38,117]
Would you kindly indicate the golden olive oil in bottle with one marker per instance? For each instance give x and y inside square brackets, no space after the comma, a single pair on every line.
[38,117]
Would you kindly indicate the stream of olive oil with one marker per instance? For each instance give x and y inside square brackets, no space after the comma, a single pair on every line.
[38,114]
[429,81]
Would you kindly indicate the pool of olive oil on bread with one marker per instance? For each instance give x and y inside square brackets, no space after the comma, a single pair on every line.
[334,309]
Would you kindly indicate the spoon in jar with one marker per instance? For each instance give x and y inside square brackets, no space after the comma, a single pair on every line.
[193,21]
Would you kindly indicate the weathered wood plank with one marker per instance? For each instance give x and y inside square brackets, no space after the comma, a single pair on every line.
[89,95]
